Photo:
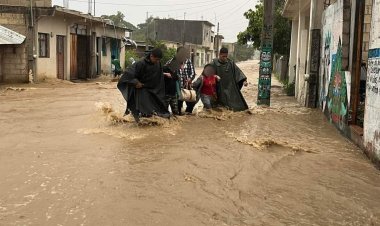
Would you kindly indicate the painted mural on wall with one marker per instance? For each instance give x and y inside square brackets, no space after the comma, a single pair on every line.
[334,92]
[265,73]
[337,102]
[372,105]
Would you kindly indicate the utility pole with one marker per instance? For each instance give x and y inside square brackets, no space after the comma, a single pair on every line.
[266,66]
[217,41]
[94,7]
[146,35]
[184,29]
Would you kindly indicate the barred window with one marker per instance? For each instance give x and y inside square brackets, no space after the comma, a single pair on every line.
[43,44]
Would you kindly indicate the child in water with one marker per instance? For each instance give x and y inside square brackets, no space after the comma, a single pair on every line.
[206,86]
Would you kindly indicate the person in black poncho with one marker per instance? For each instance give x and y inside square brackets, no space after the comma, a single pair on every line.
[142,86]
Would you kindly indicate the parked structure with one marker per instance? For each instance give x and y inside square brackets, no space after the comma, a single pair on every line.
[60,43]
[330,45]
[197,36]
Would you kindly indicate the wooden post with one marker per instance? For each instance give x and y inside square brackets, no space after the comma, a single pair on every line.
[266,66]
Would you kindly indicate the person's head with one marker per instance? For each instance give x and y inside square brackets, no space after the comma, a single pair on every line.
[155,56]
[180,48]
[223,54]
[113,57]
[208,70]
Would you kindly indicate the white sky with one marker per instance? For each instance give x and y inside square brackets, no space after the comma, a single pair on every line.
[229,13]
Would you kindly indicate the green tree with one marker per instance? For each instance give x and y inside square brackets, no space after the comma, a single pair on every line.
[118,20]
[167,53]
[281,28]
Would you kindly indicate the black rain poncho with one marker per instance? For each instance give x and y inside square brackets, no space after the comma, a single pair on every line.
[148,100]
[232,79]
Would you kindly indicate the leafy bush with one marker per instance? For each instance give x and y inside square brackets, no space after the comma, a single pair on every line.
[289,88]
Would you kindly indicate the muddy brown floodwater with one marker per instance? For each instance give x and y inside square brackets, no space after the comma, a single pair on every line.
[68,157]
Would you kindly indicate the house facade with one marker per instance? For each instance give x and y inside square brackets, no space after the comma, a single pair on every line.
[197,36]
[60,43]
[333,62]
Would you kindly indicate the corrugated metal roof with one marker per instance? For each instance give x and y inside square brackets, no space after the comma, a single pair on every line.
[7,36]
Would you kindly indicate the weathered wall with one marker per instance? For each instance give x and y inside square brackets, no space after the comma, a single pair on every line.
[37,3]
[366,29]
[14,61]
[196,32]
[335,81]
[372,108]
[47,67]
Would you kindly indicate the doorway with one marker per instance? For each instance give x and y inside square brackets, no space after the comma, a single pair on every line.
[60,57]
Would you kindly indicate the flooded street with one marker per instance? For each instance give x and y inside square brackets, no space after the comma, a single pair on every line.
[68,157]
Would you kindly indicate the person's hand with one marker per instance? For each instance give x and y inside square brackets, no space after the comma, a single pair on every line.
[139,85]
[167,74]
[245,83]
[217,78]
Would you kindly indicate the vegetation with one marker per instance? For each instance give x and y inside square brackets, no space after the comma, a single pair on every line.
[242,52]
[118,20]
[130,54]
[168,53]
[289,87]
[282,28]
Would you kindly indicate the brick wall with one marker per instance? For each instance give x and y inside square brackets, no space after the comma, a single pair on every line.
[37,3]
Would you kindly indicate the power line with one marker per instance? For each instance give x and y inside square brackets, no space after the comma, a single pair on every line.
[228,1]
[145,5]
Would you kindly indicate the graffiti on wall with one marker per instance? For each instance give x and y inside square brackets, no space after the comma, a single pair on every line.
[337,100]
[373,76]
[372,109]
[335,86]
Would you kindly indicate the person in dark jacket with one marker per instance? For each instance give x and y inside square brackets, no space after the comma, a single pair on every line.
[142,86]
[232,80]
[171,96]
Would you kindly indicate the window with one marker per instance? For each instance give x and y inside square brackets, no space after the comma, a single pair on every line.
[43,44]
[212,39]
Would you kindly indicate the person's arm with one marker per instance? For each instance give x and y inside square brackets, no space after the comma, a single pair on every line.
[197,82]
[190,70]
[240,78]
[133,74]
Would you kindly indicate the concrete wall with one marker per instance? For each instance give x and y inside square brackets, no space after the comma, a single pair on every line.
[60,25]
[37,3]
[47,67]
[372,107]
[14,64]
[335,79]
[366,29]
[196,32]
[14,59]
[293,51]
[302,39]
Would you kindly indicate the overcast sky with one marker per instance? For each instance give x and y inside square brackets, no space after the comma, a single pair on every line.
[229,13]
